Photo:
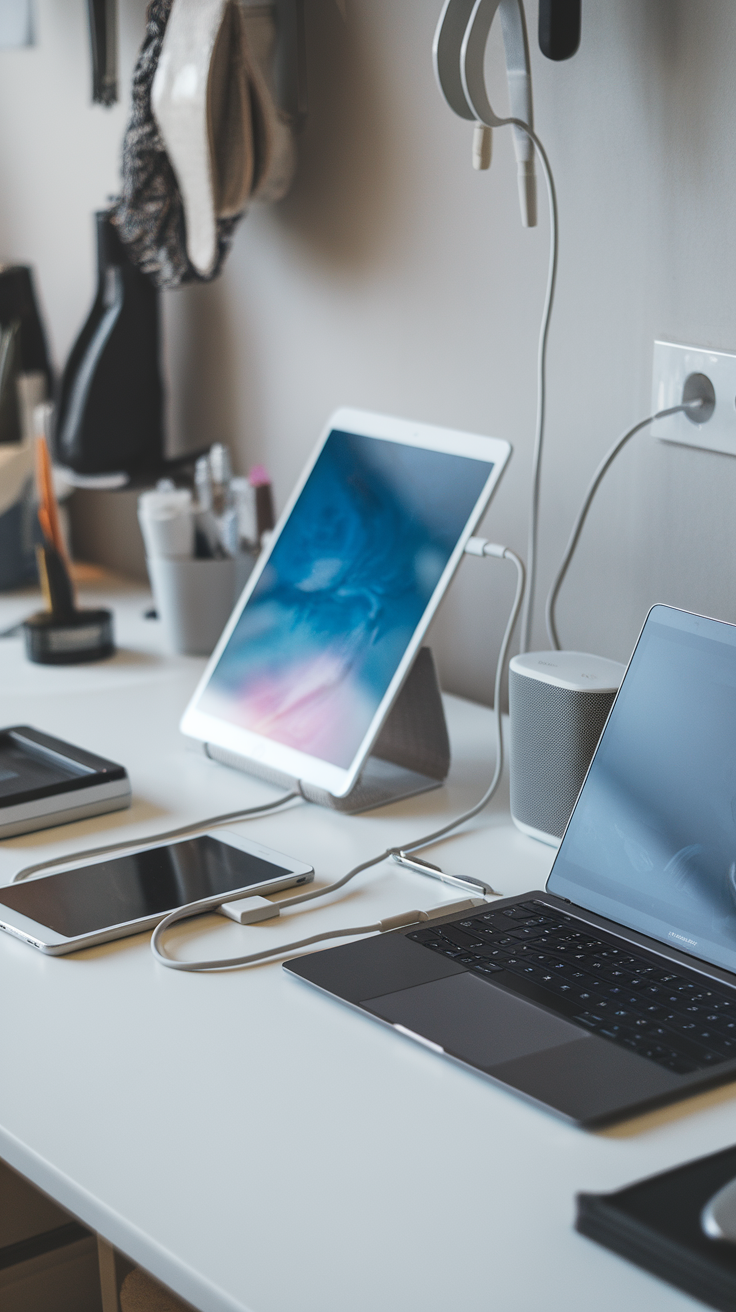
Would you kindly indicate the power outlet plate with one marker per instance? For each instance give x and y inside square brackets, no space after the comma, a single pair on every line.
[672,365]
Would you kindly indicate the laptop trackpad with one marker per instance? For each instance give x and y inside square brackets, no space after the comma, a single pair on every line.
[474,1021]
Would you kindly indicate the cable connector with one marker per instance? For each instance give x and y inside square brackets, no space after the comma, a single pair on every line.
[249,910]
[449,908]
[415,917]
[482,547]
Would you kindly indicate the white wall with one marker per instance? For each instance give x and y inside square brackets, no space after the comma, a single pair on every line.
[396,278]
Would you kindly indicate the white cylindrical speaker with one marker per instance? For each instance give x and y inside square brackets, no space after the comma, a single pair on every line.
[558,705]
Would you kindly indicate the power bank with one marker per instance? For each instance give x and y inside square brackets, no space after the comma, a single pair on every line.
[45,781]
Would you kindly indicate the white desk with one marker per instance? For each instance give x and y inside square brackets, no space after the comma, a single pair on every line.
[250,1142]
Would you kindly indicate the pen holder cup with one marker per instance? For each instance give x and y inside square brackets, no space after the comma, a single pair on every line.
[194,598]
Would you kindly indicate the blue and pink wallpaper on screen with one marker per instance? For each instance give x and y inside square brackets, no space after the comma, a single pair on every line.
[339,600]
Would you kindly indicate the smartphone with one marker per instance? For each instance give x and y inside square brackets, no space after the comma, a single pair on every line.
[109,899]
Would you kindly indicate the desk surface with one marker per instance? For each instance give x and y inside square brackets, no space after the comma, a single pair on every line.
[249,1141]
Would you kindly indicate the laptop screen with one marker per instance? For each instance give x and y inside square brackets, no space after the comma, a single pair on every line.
[652,841]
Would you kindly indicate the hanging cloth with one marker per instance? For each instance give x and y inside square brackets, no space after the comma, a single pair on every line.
[205,136]
[149,214]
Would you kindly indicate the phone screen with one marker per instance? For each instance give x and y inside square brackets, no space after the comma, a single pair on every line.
[134,887]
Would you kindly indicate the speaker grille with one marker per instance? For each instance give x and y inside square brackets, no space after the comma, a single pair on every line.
[554,733]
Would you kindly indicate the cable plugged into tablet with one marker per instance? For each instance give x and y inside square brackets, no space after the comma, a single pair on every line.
[253,909]
[482,547]
[402,852]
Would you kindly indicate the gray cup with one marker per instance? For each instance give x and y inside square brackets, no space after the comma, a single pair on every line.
[194,598]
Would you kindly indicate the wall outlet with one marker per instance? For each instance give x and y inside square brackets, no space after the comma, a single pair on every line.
[673,365]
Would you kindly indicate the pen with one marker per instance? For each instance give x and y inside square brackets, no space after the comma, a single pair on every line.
[420,867]
[53,569]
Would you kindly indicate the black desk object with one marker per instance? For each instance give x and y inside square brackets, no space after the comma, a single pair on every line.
[656,1224]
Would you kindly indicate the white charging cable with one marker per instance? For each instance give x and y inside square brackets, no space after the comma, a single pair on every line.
[531,556]
[198,827]
[459,53]
[252,958]
[475,547]
[691,406]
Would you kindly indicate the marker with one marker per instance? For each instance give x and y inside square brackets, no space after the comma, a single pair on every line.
[426,868]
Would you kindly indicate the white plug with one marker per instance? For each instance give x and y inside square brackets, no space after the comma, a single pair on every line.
[416,917]
[249,910]
[482,547]
[482,146]
[449,908]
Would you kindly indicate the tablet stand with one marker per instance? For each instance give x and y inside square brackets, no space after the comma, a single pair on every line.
[410,755]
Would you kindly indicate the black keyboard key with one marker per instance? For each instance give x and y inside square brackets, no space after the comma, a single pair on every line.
[493,954]
[459,938]
[494,922]
[722,1023]
[680,1065]
[478,926]
[616,976]
[710,1039]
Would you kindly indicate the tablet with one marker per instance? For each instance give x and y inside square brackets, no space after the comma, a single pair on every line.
[110,898]
[335,610]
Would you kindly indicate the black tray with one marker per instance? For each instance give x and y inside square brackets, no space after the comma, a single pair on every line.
[656,1224]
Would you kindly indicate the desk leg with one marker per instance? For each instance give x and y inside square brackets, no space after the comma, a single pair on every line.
[111,1277]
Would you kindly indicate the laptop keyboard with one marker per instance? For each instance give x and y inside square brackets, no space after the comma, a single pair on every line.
[673,1019]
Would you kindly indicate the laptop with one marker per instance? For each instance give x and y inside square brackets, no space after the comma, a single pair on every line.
[613,990]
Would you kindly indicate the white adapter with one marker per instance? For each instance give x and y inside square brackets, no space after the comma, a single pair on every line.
[249,910]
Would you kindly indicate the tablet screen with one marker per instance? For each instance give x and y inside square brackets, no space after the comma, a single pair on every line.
[137,886]
[331,616]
